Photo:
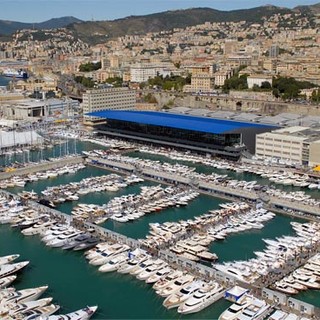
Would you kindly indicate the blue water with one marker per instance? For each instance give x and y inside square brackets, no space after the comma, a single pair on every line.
[4,81]
[73,283]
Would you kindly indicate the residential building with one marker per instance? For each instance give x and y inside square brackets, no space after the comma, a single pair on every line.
[142,72]
[107,99]
[274,51]
[201,82]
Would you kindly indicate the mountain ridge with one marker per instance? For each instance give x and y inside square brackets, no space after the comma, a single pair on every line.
[94,32]
[8,27]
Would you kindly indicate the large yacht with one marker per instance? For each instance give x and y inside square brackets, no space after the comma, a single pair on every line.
[82,314]
[41,312]
[202,298]
[13,310]
[8,259]
[236,308]
[114,263]
[8,269]
[133,263]
[177,298]
[6,281]
[21,296]
[175,286]
[167,280]
[109,254]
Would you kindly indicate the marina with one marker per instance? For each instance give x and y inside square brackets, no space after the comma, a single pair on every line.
[138,229]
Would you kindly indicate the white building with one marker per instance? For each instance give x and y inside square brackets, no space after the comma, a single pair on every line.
[258,79]
[107,99]
[299,145]
[142,72]
[221,76]
[32,108]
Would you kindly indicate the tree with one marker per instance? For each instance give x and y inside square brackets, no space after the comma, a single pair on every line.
[90,66]
[236,83]
[116,81]
[315,96]
[266,85]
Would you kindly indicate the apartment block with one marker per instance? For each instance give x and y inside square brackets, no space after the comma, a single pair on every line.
[107,99]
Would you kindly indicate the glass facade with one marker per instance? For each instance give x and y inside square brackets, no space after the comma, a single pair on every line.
[215,143]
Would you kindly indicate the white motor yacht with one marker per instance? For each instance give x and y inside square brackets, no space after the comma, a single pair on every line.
[16,309]
[202,298]
[109,254]
[141,266]
[257,309]
[167,280]
[284,287]
[8,259]
[175,286]
[63,239]
[82,314]
[236,308]
[278,315]
[114,263]
[21,296]
[133,263]
[177,298]
[39,313]
[151,270]
[37,228]
[8,269]
[5,282]
[159,274]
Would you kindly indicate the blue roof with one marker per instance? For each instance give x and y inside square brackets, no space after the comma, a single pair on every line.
[179,121]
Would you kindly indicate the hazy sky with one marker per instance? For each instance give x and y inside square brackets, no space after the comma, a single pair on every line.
[41,10]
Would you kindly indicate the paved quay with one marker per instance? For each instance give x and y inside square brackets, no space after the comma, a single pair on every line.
[41,166]
[213,189]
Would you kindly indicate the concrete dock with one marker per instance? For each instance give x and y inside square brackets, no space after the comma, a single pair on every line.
[41,166]
[213,189]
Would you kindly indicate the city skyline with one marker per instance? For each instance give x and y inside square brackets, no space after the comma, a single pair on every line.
[42,10]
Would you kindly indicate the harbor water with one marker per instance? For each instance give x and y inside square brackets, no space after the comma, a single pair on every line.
[73,283]
[4,81]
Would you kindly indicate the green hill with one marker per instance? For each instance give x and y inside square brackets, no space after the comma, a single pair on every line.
[95,31]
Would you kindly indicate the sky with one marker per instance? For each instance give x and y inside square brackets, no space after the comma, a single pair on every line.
[42,10]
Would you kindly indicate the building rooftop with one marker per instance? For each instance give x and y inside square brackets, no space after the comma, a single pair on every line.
[299,133]
[283,119]
[179,121]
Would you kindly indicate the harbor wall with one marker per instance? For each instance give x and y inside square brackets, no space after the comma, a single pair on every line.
[234,103]
[42,166]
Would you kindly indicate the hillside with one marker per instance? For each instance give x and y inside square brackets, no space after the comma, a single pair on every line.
[9,27]
[95,31]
